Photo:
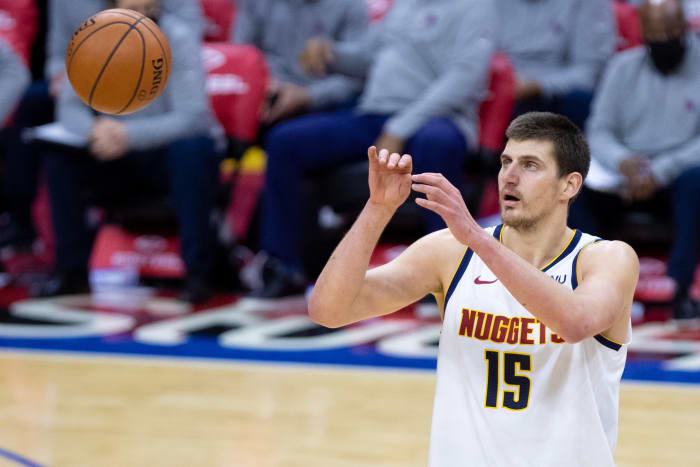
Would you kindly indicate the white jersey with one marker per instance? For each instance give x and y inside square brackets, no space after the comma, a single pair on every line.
[509,391]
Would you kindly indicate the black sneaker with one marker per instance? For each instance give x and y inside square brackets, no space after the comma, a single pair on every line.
[17,235]
[685,310]
[196,290]
[61,284]
[279,281]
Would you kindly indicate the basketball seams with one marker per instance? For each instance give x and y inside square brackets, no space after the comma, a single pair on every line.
[75,51]
[109,58]
[143,65]
[162,49]
[155,36]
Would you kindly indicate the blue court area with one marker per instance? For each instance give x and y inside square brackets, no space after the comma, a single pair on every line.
[229,328]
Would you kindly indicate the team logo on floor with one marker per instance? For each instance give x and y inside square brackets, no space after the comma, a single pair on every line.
[139,323]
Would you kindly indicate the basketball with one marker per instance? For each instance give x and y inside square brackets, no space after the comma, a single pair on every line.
[118,61]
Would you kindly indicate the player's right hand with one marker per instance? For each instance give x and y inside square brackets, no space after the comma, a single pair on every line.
[316,56]
[389,178]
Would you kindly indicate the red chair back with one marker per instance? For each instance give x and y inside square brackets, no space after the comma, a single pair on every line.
[236,83]
[218,17]
[496,110]
[629,29]
[18,25]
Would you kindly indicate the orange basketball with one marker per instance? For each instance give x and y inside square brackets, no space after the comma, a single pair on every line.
[118,61]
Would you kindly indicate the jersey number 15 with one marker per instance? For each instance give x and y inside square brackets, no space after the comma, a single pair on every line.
[510,377]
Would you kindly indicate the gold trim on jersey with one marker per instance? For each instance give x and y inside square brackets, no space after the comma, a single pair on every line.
[556,258]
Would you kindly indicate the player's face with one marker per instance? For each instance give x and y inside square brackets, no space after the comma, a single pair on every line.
[150,8]
[528,183]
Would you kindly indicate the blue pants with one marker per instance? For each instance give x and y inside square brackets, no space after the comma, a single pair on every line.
[22,160]
[576,105]
[187,169]
[315,142]
[593,212]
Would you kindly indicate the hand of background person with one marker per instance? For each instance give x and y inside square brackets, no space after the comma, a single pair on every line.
[316,56]
[389,178]
[390,142]
[56,84]
[640,183]
[285,100]
[445,199]
[526,89]
[108,139]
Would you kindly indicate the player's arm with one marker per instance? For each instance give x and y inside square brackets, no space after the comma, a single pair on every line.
[608,272]
[346,291]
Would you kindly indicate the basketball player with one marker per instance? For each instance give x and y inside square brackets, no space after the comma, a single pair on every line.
[535,314]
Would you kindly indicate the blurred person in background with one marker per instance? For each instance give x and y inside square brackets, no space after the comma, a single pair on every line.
[170,146]
[645,126]
[558,49]
[23,102]
[14,79]
[281,29]
[426,67]
[37,105]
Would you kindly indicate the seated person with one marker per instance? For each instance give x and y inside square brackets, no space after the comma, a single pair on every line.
[427,68]
[14,80]
[280,30]
[558,49]
[169,146]
[645,126]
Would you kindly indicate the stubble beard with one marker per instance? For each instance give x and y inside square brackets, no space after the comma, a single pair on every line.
[520,222]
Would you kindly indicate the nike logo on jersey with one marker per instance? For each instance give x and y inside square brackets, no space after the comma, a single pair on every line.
[478,281]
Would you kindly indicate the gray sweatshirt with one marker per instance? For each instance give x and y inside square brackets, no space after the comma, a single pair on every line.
[281,28]
[428,58]
[182,109]
[14,79]
[561,44]
[638,111]
[64,17]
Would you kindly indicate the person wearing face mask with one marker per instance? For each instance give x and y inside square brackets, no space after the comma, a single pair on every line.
[645,127]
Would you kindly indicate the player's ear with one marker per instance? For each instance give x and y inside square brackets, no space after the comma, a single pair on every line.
[571,185]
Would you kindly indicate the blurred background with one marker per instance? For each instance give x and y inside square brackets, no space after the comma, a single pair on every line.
[184,238]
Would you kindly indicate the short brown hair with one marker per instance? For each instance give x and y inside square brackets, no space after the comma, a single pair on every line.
[570,147]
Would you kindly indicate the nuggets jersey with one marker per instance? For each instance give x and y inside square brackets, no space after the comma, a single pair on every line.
[509,391]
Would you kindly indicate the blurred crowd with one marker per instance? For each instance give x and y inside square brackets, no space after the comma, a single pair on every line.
[428,78]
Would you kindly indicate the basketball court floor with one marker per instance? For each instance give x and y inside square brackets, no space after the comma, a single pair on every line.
[137,379]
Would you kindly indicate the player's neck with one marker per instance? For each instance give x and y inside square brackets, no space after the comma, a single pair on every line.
[540,244]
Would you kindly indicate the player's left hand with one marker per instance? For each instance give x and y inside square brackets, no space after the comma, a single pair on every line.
[108,139]
[289,99]
[445,199]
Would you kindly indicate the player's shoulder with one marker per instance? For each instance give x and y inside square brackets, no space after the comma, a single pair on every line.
[442,241]
[605,254]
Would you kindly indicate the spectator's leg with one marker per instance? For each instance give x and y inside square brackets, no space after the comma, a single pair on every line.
[192,166]
[440,147]
[22,161]
[575,104]
[67,175]
[595,212]
[298,146]
[685,252]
